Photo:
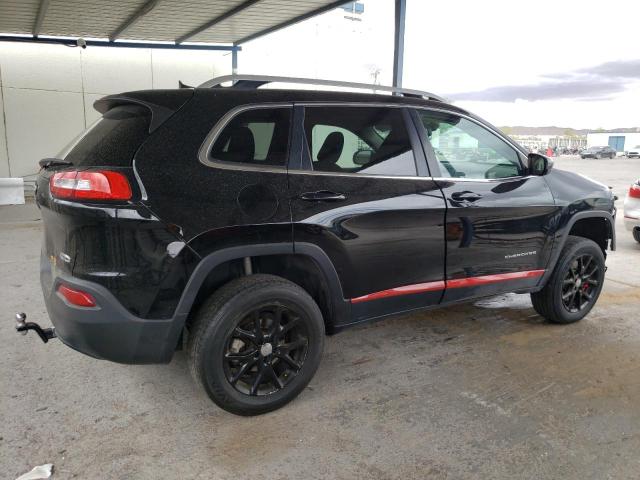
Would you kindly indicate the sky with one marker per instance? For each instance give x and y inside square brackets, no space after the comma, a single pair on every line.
[536,63]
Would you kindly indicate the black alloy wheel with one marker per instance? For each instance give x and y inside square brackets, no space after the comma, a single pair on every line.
[580,283]
[256,343]
[575,283]
[266,350]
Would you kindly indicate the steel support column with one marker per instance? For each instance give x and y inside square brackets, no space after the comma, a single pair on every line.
[234,61]
[398,42]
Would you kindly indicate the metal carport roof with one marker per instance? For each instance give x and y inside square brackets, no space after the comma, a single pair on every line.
[177,21]
[188,24]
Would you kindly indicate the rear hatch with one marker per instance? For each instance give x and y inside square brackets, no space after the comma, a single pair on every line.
[89,196]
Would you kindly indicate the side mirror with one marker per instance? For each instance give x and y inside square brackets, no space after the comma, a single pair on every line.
[362,157]
[538,164]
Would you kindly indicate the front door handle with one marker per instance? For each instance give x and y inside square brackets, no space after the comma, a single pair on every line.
[465,196]
[323,196]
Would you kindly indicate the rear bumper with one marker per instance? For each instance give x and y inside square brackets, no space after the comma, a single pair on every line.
[107,331]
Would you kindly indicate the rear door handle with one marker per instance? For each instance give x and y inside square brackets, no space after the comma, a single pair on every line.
[323,196]
[465,196]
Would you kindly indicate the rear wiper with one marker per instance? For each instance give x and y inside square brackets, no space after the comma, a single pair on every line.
[53,162]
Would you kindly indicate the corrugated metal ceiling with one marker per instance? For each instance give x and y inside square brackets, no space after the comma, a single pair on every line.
[207,21]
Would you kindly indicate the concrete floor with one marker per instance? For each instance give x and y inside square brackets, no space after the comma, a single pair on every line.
[476,391]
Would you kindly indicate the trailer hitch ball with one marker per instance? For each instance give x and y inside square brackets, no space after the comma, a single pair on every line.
[23,327]
[21,323]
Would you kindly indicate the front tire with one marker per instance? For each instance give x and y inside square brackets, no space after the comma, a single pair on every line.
[636,234]
[256,343]
[575,284]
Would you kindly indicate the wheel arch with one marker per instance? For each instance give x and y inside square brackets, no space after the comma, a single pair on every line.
[333,308]
[578,225]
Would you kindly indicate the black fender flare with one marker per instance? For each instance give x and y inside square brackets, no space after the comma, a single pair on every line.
[559,242]
[209,262]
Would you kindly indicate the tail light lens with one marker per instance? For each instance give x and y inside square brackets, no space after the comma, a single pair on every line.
[76,297]
[634,191]
[95,185]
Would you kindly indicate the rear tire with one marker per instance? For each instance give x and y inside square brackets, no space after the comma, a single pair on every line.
[636,234]
[575,284]
[256,343]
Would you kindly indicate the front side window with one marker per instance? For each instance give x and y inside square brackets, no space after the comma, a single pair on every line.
[363,140]
[257,137]
[465,149]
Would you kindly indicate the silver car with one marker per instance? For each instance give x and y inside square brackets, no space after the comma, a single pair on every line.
[634,152]
[632,210]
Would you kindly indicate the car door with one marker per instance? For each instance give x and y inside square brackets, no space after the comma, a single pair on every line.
[362,193]
[498,218]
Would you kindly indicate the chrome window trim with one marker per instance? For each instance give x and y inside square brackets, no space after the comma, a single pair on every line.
[357,175]
[483,180]
[204,153]
[205,149]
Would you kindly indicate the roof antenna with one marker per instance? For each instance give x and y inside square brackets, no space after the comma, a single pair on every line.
[183,85]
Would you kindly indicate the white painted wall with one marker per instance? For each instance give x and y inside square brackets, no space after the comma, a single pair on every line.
[47,91]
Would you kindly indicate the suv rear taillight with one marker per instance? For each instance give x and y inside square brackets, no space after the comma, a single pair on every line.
[90,185]
[634,191]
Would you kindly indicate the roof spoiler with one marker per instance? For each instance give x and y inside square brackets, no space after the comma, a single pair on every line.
[160,105]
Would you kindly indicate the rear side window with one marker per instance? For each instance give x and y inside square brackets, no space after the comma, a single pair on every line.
[363,140]
[258,137]
[113,140]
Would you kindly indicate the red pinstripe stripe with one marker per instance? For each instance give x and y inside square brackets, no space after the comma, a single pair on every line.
[487,279]
[455,283]
[406,290]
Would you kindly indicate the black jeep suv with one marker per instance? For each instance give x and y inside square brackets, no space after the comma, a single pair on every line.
[243,224]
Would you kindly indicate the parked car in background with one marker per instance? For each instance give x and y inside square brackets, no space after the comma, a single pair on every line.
[632,210]
[598,152]
[634,152]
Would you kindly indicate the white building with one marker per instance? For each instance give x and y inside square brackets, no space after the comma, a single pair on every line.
[542,141]
[621,141]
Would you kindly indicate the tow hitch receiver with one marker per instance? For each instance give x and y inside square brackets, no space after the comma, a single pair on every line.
[23,327]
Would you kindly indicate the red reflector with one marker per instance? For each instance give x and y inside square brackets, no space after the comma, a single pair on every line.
[98,185]
[77,297]
[634,191]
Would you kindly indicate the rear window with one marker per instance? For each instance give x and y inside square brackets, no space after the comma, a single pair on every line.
[112,140]
[257,137]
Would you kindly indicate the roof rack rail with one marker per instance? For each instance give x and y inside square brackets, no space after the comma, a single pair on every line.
[255,81]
